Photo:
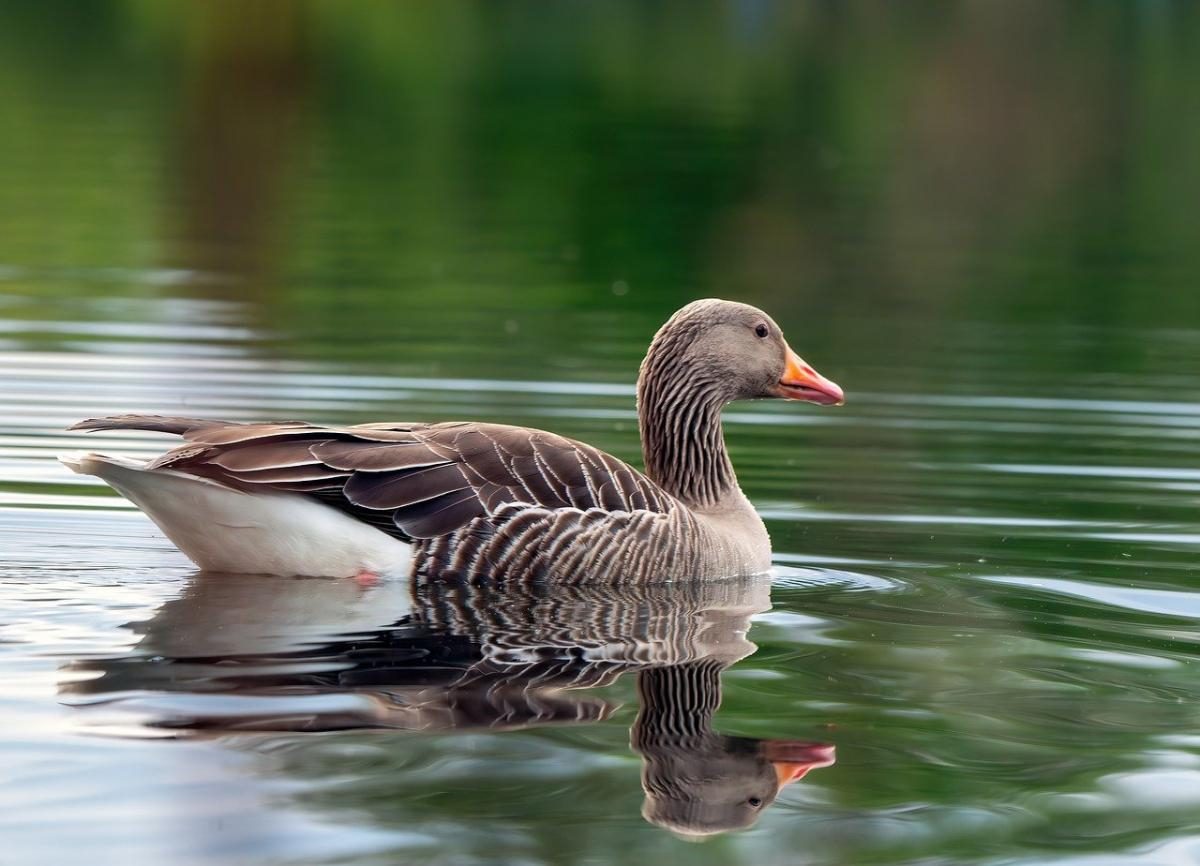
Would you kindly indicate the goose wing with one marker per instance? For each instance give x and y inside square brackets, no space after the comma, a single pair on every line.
[413,480]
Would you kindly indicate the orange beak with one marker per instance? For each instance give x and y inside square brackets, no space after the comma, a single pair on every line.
[801,382]
[792,759]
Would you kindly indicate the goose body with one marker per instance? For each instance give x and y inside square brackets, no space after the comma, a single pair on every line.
[482,500]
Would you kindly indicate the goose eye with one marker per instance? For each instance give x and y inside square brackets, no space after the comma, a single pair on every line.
[761,330]
[754,802]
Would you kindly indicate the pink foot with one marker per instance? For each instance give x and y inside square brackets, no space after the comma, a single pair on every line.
[366,579]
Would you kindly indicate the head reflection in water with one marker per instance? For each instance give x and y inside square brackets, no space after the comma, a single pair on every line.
[455,657]
[699,782]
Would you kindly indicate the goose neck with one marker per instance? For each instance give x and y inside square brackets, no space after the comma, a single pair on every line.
[683,445]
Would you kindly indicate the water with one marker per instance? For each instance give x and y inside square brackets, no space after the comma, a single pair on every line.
[978,219]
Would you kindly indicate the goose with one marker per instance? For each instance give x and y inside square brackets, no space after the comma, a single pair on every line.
[482,500]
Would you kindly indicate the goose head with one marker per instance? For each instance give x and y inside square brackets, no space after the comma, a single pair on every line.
[731,351]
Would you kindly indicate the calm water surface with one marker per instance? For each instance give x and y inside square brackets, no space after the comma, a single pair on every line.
[982,631]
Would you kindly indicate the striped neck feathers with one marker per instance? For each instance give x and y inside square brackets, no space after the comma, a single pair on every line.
[679,416]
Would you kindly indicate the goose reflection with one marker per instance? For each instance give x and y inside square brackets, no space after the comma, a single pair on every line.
[244,653]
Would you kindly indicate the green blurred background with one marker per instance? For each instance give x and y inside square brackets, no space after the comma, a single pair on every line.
[355,170]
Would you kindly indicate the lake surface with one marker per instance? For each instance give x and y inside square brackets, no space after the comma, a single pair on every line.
[982,633]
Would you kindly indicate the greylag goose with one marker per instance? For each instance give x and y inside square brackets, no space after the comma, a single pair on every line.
[480,499]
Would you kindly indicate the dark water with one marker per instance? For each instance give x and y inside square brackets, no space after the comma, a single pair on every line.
[978,218]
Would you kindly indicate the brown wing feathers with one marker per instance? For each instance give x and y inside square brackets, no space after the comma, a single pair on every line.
[152,423]
[426,480]
[355,455]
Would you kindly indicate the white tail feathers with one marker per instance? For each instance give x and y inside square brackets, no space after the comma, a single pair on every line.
[223,529]
[91,463]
